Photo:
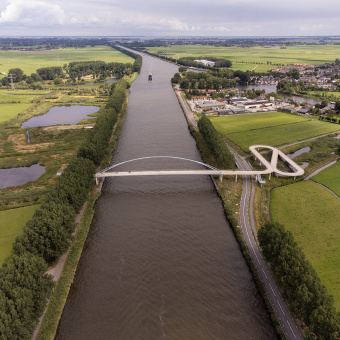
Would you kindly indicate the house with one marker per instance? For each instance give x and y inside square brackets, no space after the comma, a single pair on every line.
[303,111]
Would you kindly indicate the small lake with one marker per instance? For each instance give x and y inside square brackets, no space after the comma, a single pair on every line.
[18,176]
[62,115]
[272,88]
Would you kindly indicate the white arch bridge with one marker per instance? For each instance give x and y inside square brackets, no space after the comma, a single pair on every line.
[270,167]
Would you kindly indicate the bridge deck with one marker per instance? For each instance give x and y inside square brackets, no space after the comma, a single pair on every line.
[270,167]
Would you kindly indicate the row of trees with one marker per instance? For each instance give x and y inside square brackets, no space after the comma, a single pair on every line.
[216,144]
[302,288]
[137,65]
[24,286]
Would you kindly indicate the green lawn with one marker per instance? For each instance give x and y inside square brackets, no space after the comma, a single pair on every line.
[12,223]
[30,61]
[312,214]
[238,123]
[251,56]
[9,111]
[270,128]
[330,178]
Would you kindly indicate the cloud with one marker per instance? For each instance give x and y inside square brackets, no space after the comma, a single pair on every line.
[32,13]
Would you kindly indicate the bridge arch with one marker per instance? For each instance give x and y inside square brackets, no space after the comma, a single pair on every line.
[155,157]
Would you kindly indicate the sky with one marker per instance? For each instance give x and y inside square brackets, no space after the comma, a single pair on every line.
[225,18]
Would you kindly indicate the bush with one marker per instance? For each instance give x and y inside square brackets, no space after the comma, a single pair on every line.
[216,144]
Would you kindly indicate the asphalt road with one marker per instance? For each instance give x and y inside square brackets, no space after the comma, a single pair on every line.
[282,313]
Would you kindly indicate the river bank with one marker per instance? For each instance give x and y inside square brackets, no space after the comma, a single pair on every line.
[67,264]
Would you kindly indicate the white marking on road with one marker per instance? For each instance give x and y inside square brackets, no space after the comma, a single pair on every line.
[272,289]
[281,307]
[291,329]
[264,273]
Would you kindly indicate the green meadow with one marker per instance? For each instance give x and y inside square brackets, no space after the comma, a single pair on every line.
[30,61]
[248,57]
[270,128]
[9,111]
[330,177]
[12,224]
[312,214]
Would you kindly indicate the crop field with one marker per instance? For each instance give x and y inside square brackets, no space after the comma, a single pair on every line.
[30,61]
[270,128]
[9,111]
[312,214]
[12,223]
[302,54]
[330,178]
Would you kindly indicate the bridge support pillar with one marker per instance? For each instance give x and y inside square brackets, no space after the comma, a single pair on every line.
[270,175]
[221,178]
[236,178]
[96,180]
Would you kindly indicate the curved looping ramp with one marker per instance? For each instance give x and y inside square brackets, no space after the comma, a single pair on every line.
[270,166]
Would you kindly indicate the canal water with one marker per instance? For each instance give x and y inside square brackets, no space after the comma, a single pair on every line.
[161,261]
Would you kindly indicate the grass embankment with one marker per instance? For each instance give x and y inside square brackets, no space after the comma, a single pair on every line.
[54,311]
[312,214]
[330,178]
[270,128]
[30,61]
[249,57]
[12,223]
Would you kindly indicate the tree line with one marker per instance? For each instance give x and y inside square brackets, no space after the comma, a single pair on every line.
[307,297]
[24,286]
[216,144]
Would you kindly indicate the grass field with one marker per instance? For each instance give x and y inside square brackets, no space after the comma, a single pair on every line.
[12,223]
[330,178]
[302,54]
[30,61]
[312,214]
[9,111]
[270,128]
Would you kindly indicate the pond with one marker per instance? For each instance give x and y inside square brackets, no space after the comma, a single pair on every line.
[18,176]
[62,115]
[272,88]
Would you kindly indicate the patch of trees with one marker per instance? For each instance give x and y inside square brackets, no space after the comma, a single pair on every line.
[98,69]
[96,143]
[24,286]
[50,73]
[216,144]
[302,288]
[194,80]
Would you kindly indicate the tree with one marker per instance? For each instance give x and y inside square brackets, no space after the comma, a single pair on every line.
[337,106]
[17,73]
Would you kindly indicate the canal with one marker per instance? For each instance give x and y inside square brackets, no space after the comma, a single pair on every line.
[161,261]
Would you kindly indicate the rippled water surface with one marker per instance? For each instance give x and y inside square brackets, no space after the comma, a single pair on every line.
[161,261]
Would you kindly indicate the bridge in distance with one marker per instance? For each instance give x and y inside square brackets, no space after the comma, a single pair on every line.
[271,167]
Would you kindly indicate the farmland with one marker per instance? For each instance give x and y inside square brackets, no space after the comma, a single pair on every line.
[330,178]
[302,208]
[270,128]
[249,57]
[12,223]
[30,61]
